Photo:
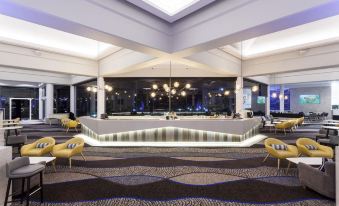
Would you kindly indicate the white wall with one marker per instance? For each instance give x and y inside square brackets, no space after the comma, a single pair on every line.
[325,99]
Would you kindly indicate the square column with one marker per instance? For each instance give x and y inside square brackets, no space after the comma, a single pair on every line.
[268,101]
[41,102]
[239,96]
[282,98]
[100,97]
[49,100]
[72,106]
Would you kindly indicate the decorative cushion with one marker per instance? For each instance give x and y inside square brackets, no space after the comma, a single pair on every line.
[279,146]
[311,147]
[71,146]
[41,145]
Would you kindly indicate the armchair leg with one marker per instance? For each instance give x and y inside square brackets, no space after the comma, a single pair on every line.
[70,163]
[266,157]
[288,166]
[83,157]
[278,163]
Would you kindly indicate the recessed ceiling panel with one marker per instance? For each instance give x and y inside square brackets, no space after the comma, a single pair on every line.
[170,10]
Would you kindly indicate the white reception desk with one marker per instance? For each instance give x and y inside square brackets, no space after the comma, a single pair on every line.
[158,129]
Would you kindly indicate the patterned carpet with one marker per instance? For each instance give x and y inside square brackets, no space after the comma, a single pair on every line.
[173,176]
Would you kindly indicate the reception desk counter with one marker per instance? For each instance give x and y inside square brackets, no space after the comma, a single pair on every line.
[158,129]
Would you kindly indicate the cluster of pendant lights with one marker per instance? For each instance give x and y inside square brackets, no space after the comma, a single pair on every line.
[168,89]
[94,89]
[275,95]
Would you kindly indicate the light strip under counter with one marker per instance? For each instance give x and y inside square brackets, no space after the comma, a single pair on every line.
[150,130]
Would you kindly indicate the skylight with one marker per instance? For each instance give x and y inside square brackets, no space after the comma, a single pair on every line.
[171,7]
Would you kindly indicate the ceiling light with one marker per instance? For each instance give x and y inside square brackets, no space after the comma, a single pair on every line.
[153,94]
[165,86]
[170,7]
[255,88]
[88,89]
[94,89]
[187,86]
[274,95]
[286,97]
[183,93]
[281,96]
[154,86]
[110,89]
[226,93]
[176,84]
[173,91]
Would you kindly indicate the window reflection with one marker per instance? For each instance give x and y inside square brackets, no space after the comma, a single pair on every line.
[154,96]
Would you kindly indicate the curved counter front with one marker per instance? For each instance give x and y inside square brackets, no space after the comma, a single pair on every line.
[160,130]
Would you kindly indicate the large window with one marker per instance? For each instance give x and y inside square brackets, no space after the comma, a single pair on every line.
[86,101]
[61,98]
[182,95]
[258,95]
[20,105]
[275,99]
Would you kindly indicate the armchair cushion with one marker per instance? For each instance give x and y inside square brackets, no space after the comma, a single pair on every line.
[279,146]
[71,146]
[311,147]
[41,145]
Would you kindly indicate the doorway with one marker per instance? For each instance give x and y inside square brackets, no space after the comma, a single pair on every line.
[20,108]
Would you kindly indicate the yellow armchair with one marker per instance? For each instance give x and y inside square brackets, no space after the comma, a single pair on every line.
[301,121]
[287,125]
[31,150]
[291,151]
[72,124]
[321,151]
[64,121]
[62,151]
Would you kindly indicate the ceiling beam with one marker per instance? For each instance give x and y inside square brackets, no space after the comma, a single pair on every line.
[105,20]
[228,22]
[309,59]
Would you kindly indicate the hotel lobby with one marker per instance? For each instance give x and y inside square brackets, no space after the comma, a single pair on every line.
[169,102]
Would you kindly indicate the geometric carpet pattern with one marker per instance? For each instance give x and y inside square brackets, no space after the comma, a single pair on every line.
[175,176]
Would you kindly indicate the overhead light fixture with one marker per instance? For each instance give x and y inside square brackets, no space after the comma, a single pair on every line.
[286,98]
[170,7]
[281,96]
[155,86]
[89,89]
[176,84]
[255,88]
[187,86]
[183,93]
[165,86]
[153,94]
[226,93]
[274,95]
[94,89]
[173,91]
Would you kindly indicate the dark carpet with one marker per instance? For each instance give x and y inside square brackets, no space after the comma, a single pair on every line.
[174,176]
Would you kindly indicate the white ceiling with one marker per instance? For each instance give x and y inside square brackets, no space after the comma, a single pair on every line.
[170,10]
[309,35]
[22,33]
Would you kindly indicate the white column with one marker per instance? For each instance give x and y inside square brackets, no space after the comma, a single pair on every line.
[49,100]
[239,97]
[72,99]
[100,97]
[41,106]
[282,98]
[268,101]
